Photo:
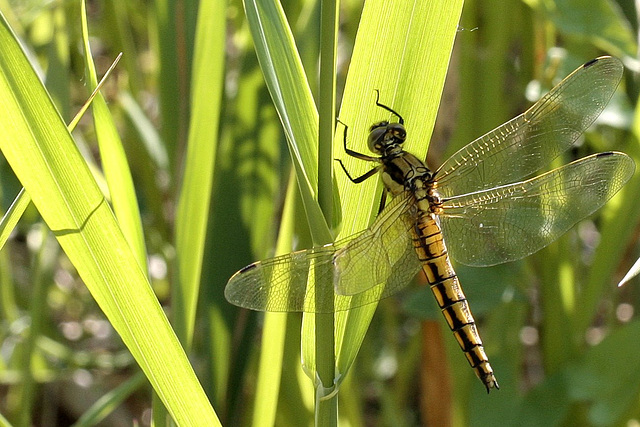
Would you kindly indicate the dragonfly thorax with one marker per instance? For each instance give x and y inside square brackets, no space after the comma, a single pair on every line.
[384,137]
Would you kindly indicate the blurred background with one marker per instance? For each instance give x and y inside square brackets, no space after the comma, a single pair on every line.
[563,340]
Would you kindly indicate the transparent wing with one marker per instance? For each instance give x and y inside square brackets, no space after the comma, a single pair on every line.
[373,265]
[530,141]
[510,222]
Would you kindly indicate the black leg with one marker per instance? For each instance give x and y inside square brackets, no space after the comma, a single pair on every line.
[360,178]
[383,200]
[353,153]
[389,109]
[357,155]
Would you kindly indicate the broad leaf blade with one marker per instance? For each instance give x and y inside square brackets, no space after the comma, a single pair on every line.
[42,154]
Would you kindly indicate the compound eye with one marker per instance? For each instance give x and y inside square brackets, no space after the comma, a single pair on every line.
[376,136]
[398,131]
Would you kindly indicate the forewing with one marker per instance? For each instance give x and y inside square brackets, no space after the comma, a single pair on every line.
[530,141]
[510,222]
[280,283]
[373,265]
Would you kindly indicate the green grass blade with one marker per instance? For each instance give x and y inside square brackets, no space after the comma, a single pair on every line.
[292,98]
[287,84]
[114,160]
[118,16]
[407,64]
[633,272]
[195,193]
[13,215]
[22,200]
[149,136]
[43,156]
[273,340]
[174,53]
[4,422]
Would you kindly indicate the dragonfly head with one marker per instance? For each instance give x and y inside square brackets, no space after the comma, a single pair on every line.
[383,135]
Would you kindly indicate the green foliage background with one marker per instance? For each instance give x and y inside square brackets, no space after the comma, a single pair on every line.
[187,115]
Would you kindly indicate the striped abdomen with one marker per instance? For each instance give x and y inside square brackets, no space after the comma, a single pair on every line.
[446,288]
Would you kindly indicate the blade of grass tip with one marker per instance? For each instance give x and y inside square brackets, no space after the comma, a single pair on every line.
[43,156]
[74,122]
[114,160]
[13,215]
[633,272]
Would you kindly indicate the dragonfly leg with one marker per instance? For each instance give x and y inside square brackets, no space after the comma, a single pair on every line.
[353,153]
[383,202]
[361,178]
[389,109]
[357,155]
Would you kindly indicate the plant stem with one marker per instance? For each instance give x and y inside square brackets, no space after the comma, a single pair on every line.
[326,408]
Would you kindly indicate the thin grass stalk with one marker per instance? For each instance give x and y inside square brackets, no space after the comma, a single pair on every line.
[111,400]
[326,408]
[38,310]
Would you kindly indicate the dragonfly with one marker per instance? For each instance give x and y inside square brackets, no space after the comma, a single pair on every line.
[485,202]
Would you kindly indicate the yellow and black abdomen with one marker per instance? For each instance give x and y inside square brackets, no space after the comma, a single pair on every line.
[446,288]
[405,173]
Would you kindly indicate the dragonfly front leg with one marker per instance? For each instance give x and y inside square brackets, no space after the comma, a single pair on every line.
[357,155]
[389,109]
